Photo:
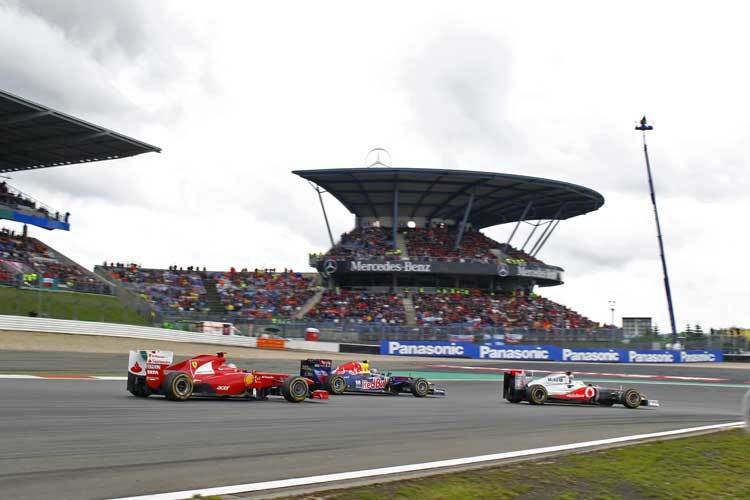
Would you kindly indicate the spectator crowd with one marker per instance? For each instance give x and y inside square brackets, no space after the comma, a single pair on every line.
[510,310]
[27,262]
[359,307]
[10,197]
[245,294]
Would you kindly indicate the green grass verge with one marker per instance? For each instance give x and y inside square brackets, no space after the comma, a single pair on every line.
[710,466]
[67,305]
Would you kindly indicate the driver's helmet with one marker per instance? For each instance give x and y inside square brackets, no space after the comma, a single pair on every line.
[373,371]
[231,365]
[570,377]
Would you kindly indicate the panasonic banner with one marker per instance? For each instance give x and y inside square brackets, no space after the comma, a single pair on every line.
[520,352]
[428,348]
[543,353]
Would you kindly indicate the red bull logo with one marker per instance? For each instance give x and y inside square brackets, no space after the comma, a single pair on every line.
[353,367]
[378,383]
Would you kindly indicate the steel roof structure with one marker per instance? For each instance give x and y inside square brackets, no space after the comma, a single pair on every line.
[33,136]
[492,198]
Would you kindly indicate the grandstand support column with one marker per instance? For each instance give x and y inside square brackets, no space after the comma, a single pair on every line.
[520,219]
[465,219]
[325,215]
[643,126]
[554,226]
[543,237]
[531,234]
[395,213]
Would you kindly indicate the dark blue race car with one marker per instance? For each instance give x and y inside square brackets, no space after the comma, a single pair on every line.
[356,376]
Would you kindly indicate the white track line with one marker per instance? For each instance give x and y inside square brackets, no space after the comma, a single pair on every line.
[400,469]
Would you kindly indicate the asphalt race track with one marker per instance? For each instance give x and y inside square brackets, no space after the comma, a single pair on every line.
[91,439]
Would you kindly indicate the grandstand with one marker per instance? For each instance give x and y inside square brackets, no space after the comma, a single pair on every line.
[35,137]
[417,257]
[237,296]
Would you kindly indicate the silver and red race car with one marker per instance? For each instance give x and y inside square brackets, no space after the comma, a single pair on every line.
[563,388]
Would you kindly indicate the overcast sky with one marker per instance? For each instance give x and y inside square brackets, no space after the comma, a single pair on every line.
[238,95]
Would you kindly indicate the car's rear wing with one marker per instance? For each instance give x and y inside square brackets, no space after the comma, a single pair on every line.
[144,363]
[317,370]
[514,383]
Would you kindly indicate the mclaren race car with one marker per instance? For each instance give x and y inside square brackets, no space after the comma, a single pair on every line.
[357,376]
[152,372]
[563,388]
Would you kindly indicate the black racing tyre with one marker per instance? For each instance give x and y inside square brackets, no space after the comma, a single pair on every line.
[177,386]
[517,397]
[537,394]
[294,389]
[631,399]
[420,387]
[336,384]
[137,386]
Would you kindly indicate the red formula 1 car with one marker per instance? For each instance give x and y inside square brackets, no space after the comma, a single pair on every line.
[152,372]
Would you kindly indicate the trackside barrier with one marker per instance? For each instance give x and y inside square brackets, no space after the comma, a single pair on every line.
[47,325]
[544,353]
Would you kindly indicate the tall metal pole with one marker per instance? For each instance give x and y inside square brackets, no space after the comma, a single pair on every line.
[643,127]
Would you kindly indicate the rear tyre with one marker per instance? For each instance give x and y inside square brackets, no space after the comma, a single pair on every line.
[537,395]
[294,389]
[177,386]
[420,387]
[515,397]
[631,399]
[336,384]
[137,386]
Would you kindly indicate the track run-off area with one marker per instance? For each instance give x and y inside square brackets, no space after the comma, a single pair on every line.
[89,438]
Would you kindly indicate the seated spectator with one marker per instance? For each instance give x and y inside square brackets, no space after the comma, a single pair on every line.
[359,307]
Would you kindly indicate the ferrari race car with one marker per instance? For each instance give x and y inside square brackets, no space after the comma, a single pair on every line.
[356,376]
[562,388]
[152,372]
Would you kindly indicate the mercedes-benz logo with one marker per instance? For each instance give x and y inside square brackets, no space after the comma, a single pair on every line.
[502,270]
[330,267]
[374,158]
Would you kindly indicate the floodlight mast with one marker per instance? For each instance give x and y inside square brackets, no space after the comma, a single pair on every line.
[644,126]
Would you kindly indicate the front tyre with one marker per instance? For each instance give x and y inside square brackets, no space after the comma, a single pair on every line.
[294,389]
[177,386]
[631,399]
[420,388]
[336,384]
[537,394]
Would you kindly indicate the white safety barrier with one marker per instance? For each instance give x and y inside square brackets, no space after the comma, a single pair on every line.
[47,325]
[306,345]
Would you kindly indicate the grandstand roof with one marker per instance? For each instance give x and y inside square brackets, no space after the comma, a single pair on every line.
[438,193]
[34,136]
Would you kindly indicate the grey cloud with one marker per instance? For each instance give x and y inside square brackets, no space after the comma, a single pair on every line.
[458,88]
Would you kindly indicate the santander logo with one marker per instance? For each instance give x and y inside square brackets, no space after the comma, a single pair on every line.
[136,368]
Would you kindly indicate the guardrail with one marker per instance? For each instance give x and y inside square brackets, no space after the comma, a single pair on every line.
[48,325]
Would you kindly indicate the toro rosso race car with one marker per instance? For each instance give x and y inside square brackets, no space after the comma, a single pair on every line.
[562,388]
[357,376]
[152,372]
